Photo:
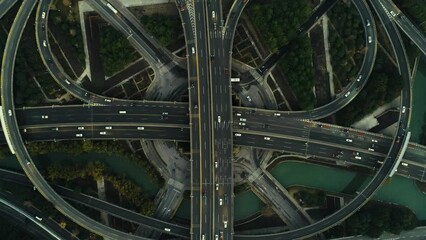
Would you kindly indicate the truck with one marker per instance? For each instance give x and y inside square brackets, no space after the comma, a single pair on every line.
[235,79]
[112,8]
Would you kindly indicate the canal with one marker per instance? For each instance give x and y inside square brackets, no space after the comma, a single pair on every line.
[418,113]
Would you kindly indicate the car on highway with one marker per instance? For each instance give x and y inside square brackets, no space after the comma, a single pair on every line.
[217,186]
[248,98]
[9,112]
[216,164]
[225,224]
[38,218]
[238,114]
[44,43]
[267,138]
[358,157]
[403,109]
[108,127]
[213,15]
[347,94]
[107,100]
[359,78]
[68,82]
[216,237]
[44,116]
[238,134]
[55,129]
[371,149]
[370,40]
[218,119]
[25,130]
[243,119]
[277,114]
[374,140]
[43,15]
[80,128]
[242,123]
[348,140]
[79,135]
[404,164]
[368,23]
[193,50]
[380,162]
[167,229]
[102,133]
[140,128]
[393,13]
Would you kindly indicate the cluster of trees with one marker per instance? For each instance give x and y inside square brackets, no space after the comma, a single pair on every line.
[375,218]
[278,21]
[347,42]
[116,51]
[104,147]
[300,73]
[71,28]
[310,198]
[382,87]
[95,169]
[165,29]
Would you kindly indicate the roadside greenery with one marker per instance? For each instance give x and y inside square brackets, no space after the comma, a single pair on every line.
[165,29]
[75,148]
[383,86]
[310,197]
[278,20]
[347,41]
[115,51]
[71,28]
[299,71]
[375,218]
[94,170]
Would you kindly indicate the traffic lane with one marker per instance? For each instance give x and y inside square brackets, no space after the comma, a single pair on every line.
[99,133]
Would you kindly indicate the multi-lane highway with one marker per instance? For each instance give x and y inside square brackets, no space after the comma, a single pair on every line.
[207,106]
[5,5]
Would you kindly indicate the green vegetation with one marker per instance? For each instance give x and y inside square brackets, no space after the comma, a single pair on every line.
[382,87]
[116,51]
[310,197]
[375,218]
[111,148]
[298,69]
[70,27]
[165,29]
[11,230]
[347,40]
[94,170]
[241,188]
[278,20]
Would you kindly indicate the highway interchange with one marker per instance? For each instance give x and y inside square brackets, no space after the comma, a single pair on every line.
[212,62]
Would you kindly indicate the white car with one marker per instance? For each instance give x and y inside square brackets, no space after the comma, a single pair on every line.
[44,43]
[393,13]
[242,123]
[348,140]
[220,201]
[80,128]
[68,82]
[359,78]
[141,128]
[107,100]
[38,218]
[165,113]
[43,15]
[108,127]
[193,50]
[404,164]
[371,149]
[243,119]
[217,188]
[248,98]
[358,157]
[368,23]
[277,114]
[167,229]
[44,116]
[370,40]
[374,140]
[79,135]
[215,164]
[238,114]
[225,224]
[102,133]
[347,94]
[238,134]
[218,119]
[213,15]
[9,112]
[403,109]
[267,138]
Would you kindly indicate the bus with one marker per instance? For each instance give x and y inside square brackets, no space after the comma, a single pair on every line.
[235,79]
[112,8]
